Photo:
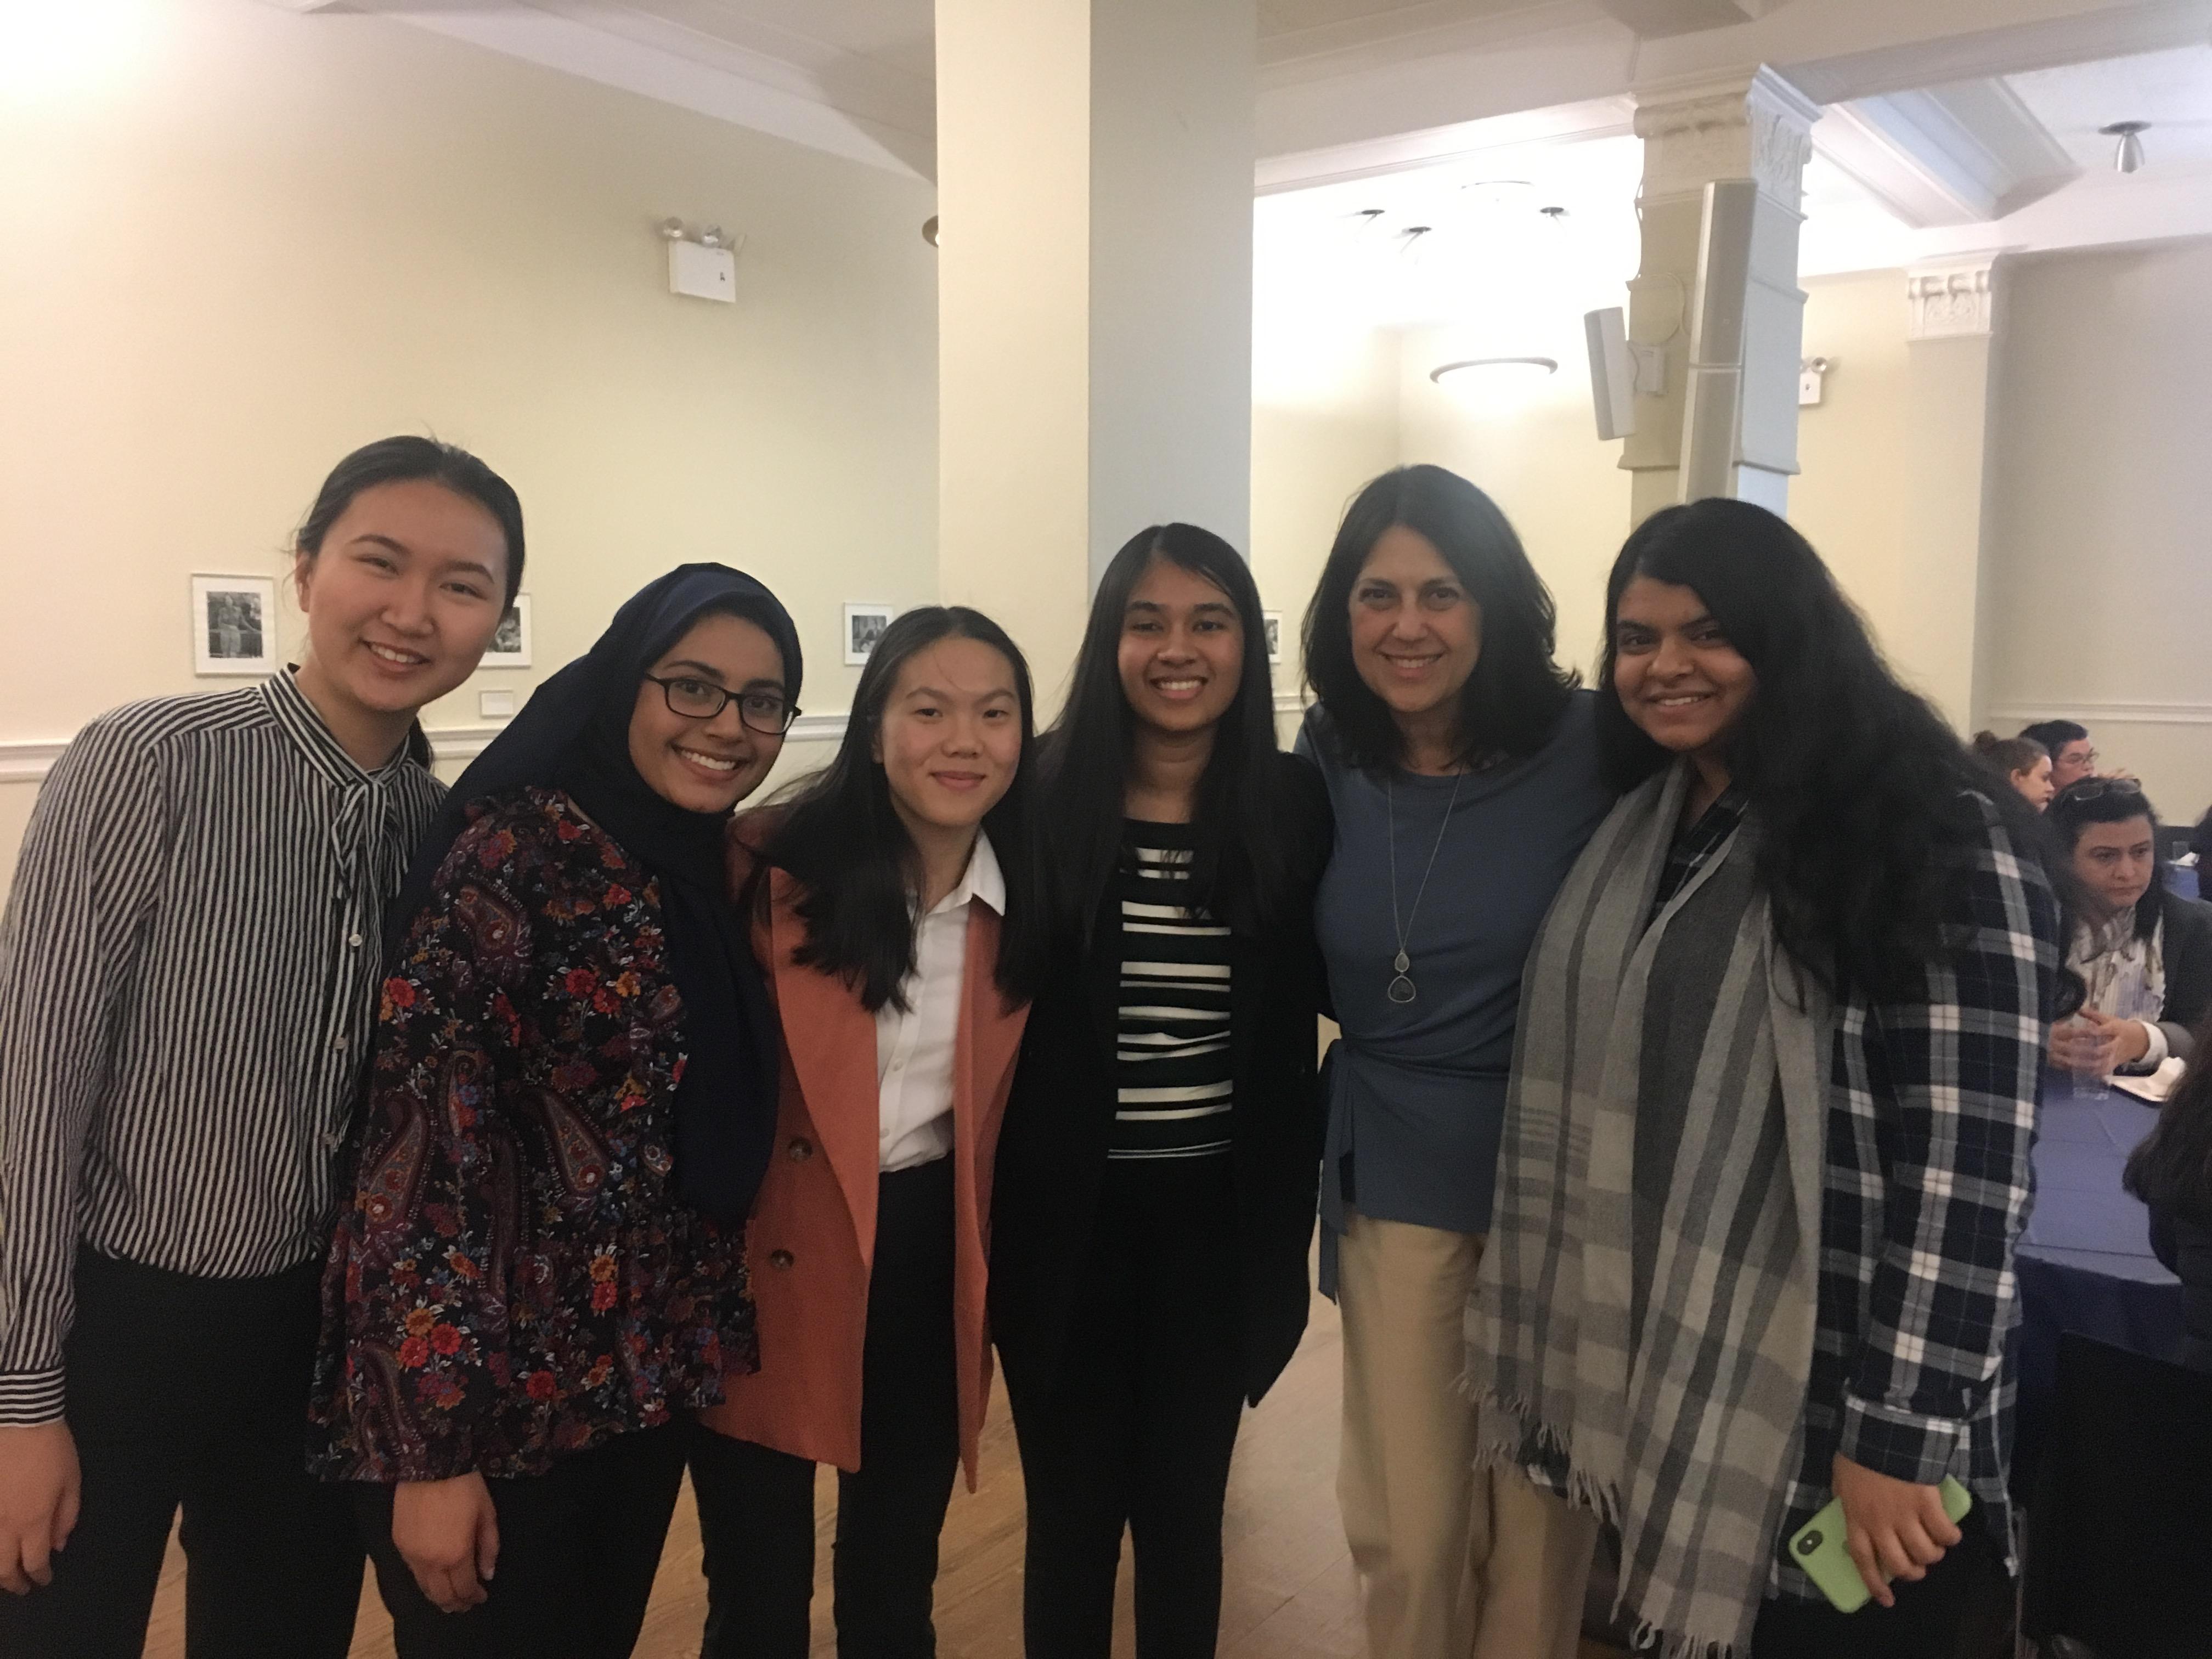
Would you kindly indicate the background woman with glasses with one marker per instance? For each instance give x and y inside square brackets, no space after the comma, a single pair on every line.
[540,1272]
[2144,953]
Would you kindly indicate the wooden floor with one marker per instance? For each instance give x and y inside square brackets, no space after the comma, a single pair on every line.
[1288,1592]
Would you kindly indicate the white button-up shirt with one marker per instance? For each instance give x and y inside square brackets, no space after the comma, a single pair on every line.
[913,1048]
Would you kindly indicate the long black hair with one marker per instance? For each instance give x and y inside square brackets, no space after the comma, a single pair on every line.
[1514,698]
[2171,1170]
[839,833]
[402,460]
[2113,800]
[1864,794]
[1084,757]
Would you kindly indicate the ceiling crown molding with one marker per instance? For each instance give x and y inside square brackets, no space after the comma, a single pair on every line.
[619,47]
[1951,155]
[1654,19]
[1604,118]
[2083,36]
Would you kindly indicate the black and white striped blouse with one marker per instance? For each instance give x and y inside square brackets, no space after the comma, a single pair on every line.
[1176,1071]
[188,967]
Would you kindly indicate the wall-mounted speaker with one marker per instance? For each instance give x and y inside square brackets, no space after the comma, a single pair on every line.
[1612,372]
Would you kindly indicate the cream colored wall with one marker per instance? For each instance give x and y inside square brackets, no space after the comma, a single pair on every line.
[2099,581]
[1540,459]
[257,240]
[1314,445]
[1891,487]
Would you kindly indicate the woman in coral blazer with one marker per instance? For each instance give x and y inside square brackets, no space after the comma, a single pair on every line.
[891,913]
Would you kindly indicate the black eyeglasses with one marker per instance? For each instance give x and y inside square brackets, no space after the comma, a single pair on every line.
[768,713]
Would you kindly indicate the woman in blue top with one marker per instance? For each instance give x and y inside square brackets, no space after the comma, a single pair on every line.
[1463,769]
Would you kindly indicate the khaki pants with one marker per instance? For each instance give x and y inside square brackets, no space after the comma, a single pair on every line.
[1453,1564]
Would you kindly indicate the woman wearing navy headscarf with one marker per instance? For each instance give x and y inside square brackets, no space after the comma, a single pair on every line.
[540,1272]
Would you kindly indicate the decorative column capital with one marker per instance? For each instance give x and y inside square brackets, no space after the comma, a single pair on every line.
[1953,298]
[1754,126]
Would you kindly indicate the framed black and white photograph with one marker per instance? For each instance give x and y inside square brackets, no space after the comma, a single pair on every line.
[864,626]
[233,625]
[510,641]
[1272,622]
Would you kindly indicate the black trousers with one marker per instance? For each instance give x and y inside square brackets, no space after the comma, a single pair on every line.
[757,1506]
[1135,1424]
[578,1548]
[1926,1624]
[192,1393]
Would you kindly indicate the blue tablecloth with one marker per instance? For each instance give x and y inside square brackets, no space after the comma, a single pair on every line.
[2086,1263]
[2186,879]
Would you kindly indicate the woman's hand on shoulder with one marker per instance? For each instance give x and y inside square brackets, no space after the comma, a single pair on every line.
[447,1532]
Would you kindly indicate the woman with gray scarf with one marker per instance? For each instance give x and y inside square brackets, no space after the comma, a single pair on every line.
[1765,1154]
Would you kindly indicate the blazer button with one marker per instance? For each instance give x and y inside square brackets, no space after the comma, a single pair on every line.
[781,1258]
[800,1150]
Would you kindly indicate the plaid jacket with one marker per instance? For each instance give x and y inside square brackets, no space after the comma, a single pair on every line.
[1928,1189]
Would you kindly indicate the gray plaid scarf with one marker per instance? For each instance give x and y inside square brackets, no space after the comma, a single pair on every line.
[1662,1369]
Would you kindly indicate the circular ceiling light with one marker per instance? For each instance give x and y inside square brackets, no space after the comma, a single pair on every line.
[1494,371]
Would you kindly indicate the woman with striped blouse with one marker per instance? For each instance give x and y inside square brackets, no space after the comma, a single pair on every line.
[1158,1169]
[188,969]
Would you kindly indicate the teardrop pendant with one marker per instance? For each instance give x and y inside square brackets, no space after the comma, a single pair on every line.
[1404,964]
[1401,989]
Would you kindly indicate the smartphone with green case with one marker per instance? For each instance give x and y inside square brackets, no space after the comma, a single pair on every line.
[1819,1549]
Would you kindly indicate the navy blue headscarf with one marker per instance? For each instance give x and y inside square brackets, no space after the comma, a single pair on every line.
[573,735]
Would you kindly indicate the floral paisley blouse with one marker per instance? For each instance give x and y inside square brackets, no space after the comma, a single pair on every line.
[513,1278]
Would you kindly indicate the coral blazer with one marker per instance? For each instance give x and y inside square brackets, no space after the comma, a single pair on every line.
[813,1230]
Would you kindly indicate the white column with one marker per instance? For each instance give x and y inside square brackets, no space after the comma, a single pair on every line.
[1718,286]
[1955,342]
[1095,194]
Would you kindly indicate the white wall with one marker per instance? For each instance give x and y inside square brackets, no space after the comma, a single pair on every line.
[2100,585]
[1891,489]
[1538,455]
[254,240]
[1316,438]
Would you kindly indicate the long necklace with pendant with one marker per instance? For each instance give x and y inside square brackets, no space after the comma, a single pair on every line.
[1401,987]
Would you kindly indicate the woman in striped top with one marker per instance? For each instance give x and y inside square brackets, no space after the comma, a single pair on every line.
[1175,1085]
[1158,1170]
[187,980]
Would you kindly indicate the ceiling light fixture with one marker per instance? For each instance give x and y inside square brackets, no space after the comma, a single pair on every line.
[1512,369]
[2128,155]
